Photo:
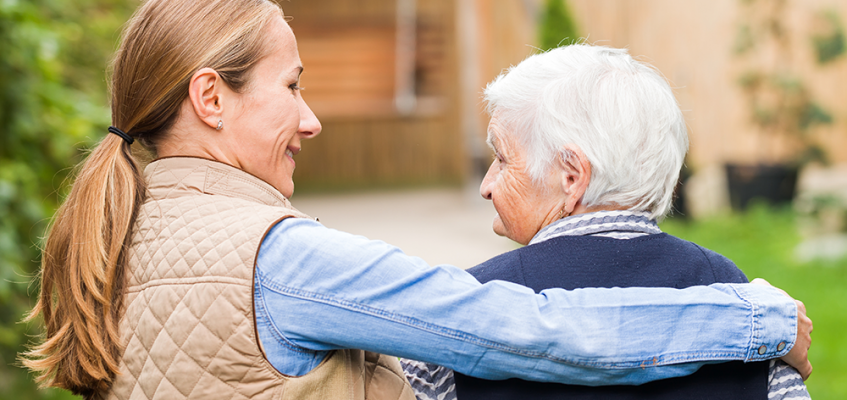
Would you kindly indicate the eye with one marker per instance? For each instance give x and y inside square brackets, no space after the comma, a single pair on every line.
[295,86]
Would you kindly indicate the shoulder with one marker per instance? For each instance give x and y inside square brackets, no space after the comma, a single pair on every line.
[301,242]
[303,237]
[504,267]
[723,268]
[308,232]
[316,252]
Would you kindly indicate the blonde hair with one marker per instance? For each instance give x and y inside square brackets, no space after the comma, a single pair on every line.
[84,260]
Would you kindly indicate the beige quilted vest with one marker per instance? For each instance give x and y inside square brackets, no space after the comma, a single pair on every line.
[188,326]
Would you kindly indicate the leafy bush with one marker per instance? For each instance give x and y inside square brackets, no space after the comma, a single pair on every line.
[53,104]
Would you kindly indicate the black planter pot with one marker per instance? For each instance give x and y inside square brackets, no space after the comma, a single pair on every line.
[774,184]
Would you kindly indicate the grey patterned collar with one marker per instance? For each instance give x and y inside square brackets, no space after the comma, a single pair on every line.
[614,224]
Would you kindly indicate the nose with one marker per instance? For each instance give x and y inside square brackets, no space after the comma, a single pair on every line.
[487,185]
[310,126]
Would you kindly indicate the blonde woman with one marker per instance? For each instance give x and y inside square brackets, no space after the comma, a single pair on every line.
[198,279]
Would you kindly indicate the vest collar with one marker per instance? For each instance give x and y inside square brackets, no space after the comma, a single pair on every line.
[185,176]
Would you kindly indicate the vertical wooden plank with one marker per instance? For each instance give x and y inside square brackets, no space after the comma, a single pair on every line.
[391,149]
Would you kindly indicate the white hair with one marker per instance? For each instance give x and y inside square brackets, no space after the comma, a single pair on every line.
[620,112]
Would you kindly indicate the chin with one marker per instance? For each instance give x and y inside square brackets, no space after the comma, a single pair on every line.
[285,189]
[501,230]
[498,227]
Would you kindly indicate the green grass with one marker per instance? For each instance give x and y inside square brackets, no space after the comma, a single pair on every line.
[761,242]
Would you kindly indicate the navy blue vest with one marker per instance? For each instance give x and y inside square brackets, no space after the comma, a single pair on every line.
[660,260]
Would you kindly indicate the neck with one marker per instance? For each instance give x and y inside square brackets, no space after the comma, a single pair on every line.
[582,209]
[182,142]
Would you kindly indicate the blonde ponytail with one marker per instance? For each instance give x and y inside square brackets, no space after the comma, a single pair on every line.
[83,274]
[85,257]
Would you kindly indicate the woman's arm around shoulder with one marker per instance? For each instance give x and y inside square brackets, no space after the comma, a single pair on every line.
[326,289]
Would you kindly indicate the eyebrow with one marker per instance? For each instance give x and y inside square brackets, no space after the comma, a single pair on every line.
[287,75]
[489,140]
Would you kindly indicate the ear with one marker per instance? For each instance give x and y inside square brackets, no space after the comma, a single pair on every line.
[206,91]
[576,174]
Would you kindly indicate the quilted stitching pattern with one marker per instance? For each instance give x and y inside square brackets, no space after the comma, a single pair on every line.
[188,325]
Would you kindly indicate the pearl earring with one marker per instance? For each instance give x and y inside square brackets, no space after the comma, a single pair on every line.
[220,125]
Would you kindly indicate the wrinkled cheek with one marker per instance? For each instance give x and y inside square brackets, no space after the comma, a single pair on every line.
[517,222]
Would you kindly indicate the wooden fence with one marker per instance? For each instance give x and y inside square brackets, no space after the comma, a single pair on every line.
[348,49]
[350,57]
[692,41]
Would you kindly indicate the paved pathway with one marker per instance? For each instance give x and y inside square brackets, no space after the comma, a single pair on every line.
[442,226]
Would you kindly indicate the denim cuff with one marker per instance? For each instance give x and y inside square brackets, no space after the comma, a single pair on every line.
[774,321]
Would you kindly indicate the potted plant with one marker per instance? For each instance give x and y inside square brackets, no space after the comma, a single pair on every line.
[782,109]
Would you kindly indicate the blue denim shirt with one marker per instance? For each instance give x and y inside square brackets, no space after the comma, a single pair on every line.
[318,289]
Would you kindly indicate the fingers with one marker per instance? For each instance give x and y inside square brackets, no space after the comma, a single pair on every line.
[806,371]
[760,281]
[798,357]
[800,306]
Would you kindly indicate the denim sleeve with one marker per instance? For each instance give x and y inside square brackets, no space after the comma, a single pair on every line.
[320,289]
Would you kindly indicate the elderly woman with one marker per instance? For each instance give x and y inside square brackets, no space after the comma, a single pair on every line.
[198,279]
[588,144]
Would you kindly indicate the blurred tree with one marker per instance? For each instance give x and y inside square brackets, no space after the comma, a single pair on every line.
[780,103]
[53,104]
[557,26]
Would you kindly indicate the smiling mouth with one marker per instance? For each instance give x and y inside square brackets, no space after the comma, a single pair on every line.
[290,154]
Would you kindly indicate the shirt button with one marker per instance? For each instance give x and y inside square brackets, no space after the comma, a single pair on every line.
[763,349]
[780,346]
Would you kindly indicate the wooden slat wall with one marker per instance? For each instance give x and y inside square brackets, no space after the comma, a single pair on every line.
[508,34]
[348,49]
[398,151]
[373,145]
[691,43]
[339,10]
[349,69]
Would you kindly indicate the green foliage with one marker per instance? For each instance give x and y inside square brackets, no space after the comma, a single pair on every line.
[779,102]
[744,40]
[813,114]
[762,242]
[557,26]
[53,102]
[830,45]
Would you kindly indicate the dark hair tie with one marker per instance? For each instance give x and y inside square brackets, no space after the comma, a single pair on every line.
[128,139]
